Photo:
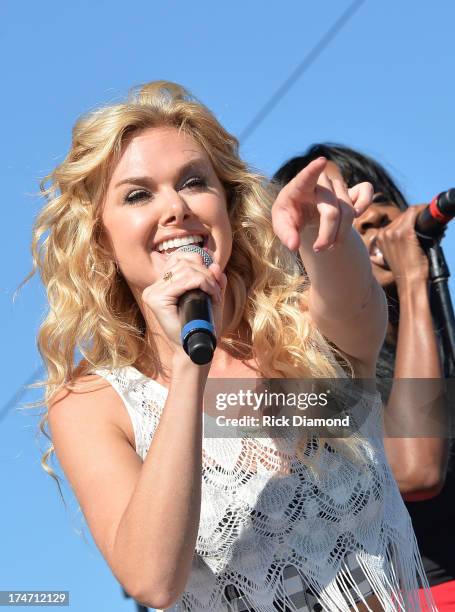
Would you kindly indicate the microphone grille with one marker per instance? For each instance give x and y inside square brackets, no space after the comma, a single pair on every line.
[194,248]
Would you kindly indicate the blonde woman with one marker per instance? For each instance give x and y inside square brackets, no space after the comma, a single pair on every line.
[185,522]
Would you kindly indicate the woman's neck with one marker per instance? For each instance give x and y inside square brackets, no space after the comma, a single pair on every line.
[226,353]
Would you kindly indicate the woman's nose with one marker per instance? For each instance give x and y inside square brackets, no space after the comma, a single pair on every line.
[373,217]
[175,210]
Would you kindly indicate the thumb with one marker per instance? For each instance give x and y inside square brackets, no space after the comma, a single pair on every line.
[219,275]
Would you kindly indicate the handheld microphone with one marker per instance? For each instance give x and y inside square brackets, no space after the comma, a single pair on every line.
[431,221]
[195,310]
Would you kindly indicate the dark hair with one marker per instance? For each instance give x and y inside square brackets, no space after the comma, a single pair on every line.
[354,167]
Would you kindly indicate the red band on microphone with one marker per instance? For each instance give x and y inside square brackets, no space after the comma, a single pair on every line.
[436,213]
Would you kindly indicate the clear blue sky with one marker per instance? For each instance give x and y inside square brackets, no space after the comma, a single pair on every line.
[384,85]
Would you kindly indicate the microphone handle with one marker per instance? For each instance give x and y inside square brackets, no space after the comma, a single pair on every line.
[198,331]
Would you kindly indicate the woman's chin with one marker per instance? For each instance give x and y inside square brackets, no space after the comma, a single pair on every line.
[384,277]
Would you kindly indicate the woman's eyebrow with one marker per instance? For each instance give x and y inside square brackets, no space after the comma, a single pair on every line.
[191,166]
[195,165]
[135,180]
[381,198]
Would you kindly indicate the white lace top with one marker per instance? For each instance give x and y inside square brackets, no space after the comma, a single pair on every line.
[257,524]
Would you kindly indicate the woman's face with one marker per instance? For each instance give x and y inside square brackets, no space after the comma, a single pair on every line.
[379,214]
[164,187]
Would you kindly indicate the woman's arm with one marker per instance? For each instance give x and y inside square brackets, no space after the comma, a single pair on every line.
[418,463]
[156,537]
[346,302]
[144,517]
[314,214]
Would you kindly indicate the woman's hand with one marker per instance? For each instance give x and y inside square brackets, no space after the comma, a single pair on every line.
[312,199]
[188,272]
[401,248]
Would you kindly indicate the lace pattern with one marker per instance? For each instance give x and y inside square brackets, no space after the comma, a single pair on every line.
[257,520]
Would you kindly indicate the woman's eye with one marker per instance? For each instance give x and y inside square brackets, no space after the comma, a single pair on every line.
[195,182]
[136,196]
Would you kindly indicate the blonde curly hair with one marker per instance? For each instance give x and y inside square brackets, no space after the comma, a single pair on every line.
[91,307]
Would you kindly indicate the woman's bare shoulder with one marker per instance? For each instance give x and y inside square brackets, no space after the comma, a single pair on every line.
[96,456]
[90,396]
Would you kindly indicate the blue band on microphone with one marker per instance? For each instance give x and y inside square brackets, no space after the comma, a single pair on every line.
[196,325]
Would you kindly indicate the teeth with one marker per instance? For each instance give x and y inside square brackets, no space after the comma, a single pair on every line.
[374,249]
[178,242]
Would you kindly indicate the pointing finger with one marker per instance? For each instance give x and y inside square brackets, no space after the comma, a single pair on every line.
[288,212]
[303,185]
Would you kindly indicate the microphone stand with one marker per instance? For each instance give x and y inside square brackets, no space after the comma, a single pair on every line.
[443,315]
[441,302]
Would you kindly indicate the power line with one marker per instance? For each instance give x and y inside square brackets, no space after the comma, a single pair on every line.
[307,61]
[20,392]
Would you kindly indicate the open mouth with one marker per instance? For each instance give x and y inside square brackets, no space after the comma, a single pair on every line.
[376,255]
[166,248]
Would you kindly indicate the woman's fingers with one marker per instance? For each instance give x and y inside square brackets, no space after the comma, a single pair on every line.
[303,185]
[189,272]
[312,195]
[286,223]
[288,213]
[351,203]
[219,275]
[361,196]
[345,207]
[182,272]
[329,214]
